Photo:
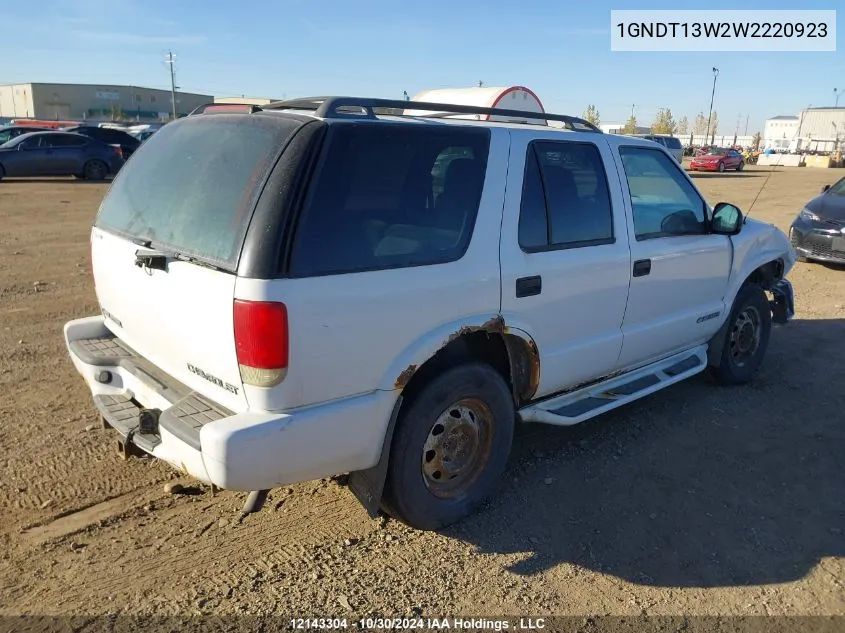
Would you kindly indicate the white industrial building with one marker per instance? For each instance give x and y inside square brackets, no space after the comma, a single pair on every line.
[616,128]
[779,131]
[813,129]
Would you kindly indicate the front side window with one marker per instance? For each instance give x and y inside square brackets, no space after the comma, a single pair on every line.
[33,142]
[664,202]
[565,197]
[390,196]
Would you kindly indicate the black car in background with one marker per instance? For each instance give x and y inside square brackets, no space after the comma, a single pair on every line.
[127,142]
[59,154]
[8,132]
[819,230]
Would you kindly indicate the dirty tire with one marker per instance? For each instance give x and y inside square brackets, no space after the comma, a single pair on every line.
[461,422]
[746,338]
[95,170]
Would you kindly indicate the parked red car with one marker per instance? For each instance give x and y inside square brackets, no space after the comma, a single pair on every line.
[718,159]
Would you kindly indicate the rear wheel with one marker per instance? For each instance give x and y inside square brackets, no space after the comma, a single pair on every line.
[740,166]
[2,172]
[747,337]
[450,447]
[95,170]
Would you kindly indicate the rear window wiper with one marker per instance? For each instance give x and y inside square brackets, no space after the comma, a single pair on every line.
[157,259]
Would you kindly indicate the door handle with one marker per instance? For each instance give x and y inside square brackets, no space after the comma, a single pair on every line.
[642,267]
[529,286]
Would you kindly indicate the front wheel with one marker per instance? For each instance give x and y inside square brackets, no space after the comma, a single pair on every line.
[721,167]
[746,338]
[450,447]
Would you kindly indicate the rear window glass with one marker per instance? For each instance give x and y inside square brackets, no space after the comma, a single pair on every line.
[389,196]
[192,186]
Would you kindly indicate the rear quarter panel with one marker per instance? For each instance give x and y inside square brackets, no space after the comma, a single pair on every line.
[355,333]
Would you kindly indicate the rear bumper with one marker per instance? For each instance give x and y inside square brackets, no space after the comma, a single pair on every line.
[238,451]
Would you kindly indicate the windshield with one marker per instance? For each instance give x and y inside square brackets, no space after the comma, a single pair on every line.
[192,186]
[16,141]
[717,152]
[838,189]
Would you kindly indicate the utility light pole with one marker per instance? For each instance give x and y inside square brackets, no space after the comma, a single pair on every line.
[837,92]
[171,61]
[712,94]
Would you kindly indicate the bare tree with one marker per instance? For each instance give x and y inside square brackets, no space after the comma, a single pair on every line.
[700,125]
[683,127]
[714,124]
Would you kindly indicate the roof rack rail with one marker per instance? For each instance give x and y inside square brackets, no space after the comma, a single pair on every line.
[208,108]
[342,107]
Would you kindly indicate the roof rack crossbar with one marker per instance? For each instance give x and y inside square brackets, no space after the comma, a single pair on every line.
[330,108]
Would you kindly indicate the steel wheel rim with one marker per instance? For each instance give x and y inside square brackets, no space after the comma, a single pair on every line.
[745,336]
[96,170]
[457,448]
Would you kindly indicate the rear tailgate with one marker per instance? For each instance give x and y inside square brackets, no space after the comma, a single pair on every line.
[167,240]
[179,319]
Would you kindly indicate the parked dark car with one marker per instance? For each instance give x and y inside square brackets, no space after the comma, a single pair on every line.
[819,230]
[58,154]
[127,142]
[8,132]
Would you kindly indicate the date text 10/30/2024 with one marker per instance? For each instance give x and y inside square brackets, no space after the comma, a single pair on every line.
[424,624]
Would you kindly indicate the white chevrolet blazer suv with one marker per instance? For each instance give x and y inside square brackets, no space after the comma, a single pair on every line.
[327,286]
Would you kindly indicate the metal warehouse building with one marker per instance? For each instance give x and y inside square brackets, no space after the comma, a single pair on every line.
[98,102]
[821,129]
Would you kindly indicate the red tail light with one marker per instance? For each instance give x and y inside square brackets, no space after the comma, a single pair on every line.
[261,341]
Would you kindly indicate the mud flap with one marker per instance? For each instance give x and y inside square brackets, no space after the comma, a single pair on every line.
[717,343]
[783,305]
[368,485]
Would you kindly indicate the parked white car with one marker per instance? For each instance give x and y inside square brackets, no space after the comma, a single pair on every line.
[317,289]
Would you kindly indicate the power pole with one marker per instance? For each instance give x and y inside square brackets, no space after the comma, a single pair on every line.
[171,61]
[746,125]
[633,105]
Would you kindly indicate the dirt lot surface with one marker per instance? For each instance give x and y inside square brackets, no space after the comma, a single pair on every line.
[697,500]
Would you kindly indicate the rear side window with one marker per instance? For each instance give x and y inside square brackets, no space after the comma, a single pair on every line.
[672,142]
[389,196]
[192,186]
[65,140]
[565,198]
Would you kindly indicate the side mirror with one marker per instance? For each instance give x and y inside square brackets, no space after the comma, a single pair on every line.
[825,188]
[727,219]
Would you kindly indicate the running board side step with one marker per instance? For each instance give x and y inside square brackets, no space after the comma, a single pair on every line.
[577,406]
